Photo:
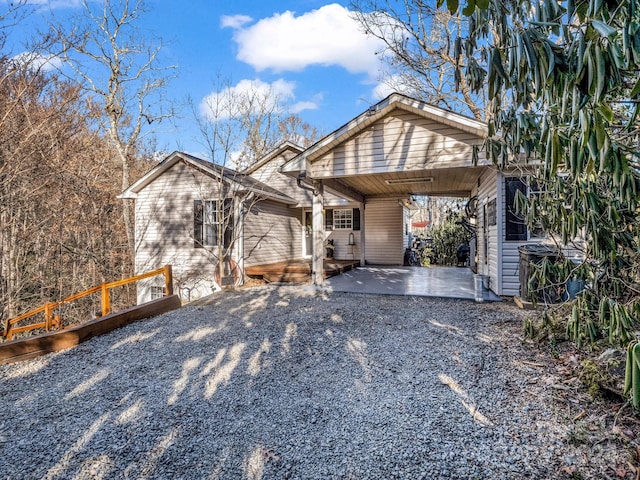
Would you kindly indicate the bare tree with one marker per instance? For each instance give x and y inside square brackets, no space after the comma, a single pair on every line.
[59,232]
[293,129]
[238,128]
[422,51]
[122,71]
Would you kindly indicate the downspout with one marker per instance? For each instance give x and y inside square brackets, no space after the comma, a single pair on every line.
[301,176]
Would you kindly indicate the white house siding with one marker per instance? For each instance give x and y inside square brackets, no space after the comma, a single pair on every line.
[343,250]
[510,252]
[384,232]
[402,141]
[269,173]
[488,239]
[164,232]
[272,233]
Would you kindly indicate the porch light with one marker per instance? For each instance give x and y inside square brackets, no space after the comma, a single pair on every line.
[352,239]
[403,181]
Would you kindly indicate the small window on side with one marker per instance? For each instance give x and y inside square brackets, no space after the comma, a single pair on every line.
[157,292]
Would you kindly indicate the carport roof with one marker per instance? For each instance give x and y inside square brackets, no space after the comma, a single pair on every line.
[453,174]
[375,113]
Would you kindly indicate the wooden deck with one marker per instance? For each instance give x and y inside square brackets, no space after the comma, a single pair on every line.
[298,270]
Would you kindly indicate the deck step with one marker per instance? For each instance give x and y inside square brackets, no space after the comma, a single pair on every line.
[297,270]
[286,277]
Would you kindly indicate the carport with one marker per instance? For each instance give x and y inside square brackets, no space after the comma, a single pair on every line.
[397,149]
[443,282]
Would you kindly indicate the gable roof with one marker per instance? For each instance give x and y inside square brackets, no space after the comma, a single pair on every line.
[274,154]
[243,181]
[375,113]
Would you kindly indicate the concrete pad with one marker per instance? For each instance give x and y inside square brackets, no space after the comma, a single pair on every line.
[443,282]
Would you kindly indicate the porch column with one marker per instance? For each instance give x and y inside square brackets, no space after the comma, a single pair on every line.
[238,237]
[317,264]
[362,236]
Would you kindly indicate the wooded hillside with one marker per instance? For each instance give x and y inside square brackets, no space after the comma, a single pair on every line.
[61,227]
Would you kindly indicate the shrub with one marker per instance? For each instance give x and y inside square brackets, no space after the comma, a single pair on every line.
[446,239]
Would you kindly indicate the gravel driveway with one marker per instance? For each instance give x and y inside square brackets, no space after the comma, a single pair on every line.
[288,382]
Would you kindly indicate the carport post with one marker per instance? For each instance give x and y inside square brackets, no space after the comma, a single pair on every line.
[362,246]
[317,265]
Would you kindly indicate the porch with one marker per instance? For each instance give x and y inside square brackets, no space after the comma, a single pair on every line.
[298,270]
[443,282]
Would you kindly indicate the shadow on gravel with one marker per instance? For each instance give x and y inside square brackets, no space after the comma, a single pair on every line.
[278,383]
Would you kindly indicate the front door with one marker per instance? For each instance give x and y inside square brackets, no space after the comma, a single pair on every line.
[308,233]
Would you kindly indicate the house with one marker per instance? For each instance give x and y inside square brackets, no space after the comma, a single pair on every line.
[353,187]
[190,212]
[402,147]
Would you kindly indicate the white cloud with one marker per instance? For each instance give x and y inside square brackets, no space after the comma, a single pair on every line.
[300,106]
[382,90]
[391,84]
[37,61]
[312,104]
[53,4]
[326,36]
[227,102]
[234,21]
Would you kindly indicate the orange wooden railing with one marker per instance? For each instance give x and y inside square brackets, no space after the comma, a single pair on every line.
[52,321]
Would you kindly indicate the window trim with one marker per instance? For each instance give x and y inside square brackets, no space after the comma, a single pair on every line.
[203,224]
[515,228]
[355,219]
[211,223]
[344,223]
[224,218]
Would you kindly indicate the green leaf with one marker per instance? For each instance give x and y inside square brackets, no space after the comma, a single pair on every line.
[636,89]
[603,29]
[482,4]
[606,112]
[601,74]
[452,5]
[496,61]
[634,115]
[469,9]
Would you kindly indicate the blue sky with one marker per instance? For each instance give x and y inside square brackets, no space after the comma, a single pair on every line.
[309,51]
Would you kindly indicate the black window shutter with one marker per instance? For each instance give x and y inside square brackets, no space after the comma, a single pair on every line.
[328,219]
[516,228]
[198,215]
[228,222]
[356,218]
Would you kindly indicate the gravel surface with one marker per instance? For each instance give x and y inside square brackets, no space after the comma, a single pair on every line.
[289,382]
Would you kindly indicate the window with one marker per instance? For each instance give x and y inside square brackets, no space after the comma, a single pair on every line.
[205,223]
[208,218]
[515,228]
[157,292]
[491,212]
[343,219]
